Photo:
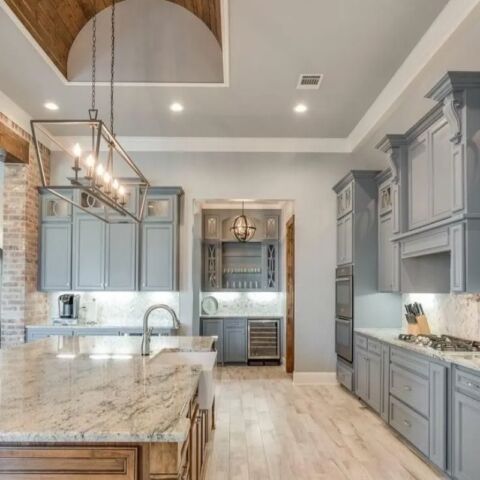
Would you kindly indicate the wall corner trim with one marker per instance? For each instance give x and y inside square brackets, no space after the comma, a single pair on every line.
[315,378]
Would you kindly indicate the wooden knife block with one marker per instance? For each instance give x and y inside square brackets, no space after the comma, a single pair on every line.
[419,328]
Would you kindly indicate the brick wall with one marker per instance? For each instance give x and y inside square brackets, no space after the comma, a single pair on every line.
[21,303]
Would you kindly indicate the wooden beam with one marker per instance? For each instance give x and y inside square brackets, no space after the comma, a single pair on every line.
[15,149]
[54,25]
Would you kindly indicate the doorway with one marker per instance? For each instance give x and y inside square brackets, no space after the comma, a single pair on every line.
[290,296]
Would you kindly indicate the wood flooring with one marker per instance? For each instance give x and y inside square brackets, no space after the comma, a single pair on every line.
[269,429]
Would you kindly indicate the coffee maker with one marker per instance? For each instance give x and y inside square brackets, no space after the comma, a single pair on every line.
[68,306]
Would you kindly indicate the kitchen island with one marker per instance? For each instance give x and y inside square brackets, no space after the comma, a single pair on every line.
[93,407]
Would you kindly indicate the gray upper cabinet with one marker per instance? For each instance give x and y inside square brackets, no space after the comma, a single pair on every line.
[80,252]
[55,266]
[345,240]
[121,257]
[345,200]
[157,257]
[89,253]
[436,199]
[235,340]
[56,257]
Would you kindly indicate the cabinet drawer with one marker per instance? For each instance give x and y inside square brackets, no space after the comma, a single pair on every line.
[344,376]
[468,383]
[360,341]
[409,424]
[410,388]
[410,361]
[67,463]
[235,322]
[374,346]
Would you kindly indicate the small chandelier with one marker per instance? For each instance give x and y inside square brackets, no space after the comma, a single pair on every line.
[243,227]
[92,174]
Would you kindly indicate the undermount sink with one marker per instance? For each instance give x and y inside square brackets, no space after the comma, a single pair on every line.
[207,361]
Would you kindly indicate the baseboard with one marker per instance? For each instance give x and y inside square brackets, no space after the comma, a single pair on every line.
[315,378]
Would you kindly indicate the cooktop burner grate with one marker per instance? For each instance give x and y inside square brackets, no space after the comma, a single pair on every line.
[444,343]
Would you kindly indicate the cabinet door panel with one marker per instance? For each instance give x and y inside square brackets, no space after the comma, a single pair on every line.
[442,171]
[466,462]
[214,327]
[235,340]
[121,265]
[385,254]
[438,415]
[418,179]
[348,232]
[157,257]
[385,387]
[89,254]
[56,257]
[374,381]
[457,258]
[361,375]
[340,242]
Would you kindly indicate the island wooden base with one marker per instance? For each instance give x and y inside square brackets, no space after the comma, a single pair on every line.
[145,461]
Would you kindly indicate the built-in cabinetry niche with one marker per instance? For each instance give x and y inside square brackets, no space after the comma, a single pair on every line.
[231,265]
[435,219]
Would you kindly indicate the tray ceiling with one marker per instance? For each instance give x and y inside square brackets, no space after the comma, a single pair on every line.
[54,25]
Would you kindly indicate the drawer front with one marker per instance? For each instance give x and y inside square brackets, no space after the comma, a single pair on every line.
[410,388]
[235,322]
[67,463]
[345,376]
[360,341]
[467,383]
[374,346]
[409,424]
[410,361]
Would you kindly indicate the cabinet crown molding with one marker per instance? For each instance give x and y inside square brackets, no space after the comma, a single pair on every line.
[453,81]
[353,175]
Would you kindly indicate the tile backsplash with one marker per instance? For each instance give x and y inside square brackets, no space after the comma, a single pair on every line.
[457,315]
[247,303]
[121,308]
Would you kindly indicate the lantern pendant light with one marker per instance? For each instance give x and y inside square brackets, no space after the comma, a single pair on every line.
[243,228]
[93,178]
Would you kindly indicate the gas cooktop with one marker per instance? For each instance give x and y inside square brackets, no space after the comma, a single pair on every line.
[444,343]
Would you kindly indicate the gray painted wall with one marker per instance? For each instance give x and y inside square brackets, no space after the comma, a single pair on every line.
[307,179]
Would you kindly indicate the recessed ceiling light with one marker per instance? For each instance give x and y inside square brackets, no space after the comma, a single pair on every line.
[51,106]
[176,107]
[300,108]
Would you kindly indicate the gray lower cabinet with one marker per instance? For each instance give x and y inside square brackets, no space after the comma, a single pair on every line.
[89,254]
[361,374]
[56,257]
[214,327]
[466,425]
[157,257]
[235,340]
[121,257]
[438,415]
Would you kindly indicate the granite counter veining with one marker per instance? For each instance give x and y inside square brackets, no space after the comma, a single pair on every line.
[96,389]
[388,335]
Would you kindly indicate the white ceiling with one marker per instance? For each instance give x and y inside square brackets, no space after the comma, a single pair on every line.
[357,44]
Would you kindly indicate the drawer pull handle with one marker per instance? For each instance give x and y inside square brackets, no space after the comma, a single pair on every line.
[407,424]
[473,385]
[407,388]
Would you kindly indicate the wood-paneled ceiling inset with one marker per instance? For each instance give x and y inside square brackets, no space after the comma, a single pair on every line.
[55,24]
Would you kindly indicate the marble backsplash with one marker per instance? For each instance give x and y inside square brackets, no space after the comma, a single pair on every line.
[247,303]
[121,308]
[457,315]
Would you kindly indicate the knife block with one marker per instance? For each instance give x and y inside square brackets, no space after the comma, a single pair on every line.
[419,328]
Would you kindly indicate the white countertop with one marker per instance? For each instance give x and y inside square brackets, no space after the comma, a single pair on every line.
[96,389]
[389,335]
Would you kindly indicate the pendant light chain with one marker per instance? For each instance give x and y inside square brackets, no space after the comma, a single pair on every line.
[94,58]
[112,69]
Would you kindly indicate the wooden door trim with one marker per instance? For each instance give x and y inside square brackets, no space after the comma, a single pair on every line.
[290,297]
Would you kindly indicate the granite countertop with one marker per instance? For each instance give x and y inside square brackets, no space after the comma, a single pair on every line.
[96,389]
[390,335]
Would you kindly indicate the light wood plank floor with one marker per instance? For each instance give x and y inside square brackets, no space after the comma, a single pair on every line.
[269,429]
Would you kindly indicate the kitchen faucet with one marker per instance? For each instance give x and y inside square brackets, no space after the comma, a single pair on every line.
[147,332]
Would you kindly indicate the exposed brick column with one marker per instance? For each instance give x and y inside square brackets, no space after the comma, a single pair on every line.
[21,302]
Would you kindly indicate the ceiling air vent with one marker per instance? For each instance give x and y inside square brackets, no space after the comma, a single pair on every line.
[310,81]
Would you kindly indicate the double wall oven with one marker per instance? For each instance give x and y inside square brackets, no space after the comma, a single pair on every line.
[344,312]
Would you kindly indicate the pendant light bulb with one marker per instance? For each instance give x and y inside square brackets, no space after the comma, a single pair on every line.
[107,178]
[121,190]
[77,150]
[99,170]
[115,184]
